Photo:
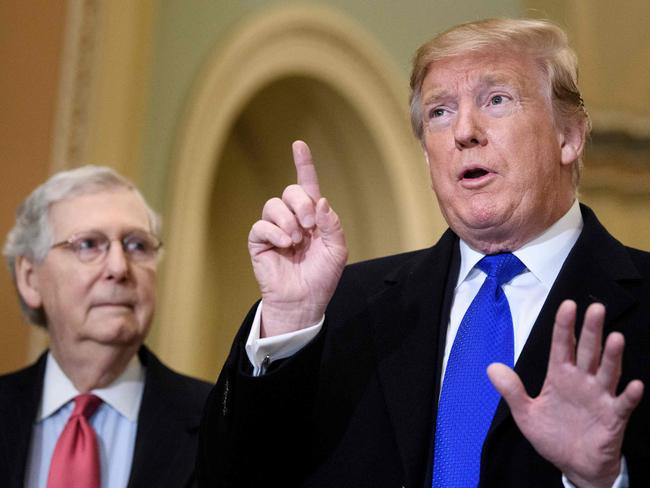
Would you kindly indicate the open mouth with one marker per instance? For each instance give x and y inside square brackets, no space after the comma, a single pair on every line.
[473,174]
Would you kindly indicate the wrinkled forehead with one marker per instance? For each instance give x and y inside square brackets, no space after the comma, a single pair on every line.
[482,69]
[112,211]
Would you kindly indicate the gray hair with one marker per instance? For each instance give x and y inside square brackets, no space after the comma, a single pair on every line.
[31,235]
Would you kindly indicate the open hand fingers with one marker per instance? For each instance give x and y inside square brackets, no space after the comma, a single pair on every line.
[306,174]
[563,342]
[509,385]
[610,367]
[591,335]
[629,399]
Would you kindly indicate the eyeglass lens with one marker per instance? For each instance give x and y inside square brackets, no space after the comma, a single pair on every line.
[138,246]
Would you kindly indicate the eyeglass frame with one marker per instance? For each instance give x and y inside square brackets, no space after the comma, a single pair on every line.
[69,244]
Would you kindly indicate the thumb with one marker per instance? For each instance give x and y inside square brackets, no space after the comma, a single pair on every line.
[329,225]
[508,384]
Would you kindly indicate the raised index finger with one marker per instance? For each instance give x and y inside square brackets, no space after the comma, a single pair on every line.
[305,170]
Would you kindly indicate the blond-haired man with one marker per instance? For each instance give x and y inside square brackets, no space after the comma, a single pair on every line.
[379,374]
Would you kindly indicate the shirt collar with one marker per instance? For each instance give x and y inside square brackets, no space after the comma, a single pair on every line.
[124,394]
[543,256]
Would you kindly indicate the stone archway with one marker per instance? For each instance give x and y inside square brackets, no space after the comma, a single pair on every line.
[296,72]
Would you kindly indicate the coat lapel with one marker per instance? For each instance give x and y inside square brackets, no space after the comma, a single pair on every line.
[591,273]
[168,425]
[407,316]
[21,394]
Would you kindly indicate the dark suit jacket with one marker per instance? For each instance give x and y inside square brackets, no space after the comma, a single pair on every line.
[168,421]
[356,407]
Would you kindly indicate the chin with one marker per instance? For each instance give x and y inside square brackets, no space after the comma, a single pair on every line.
[119,332]
[481,224]
[488,235]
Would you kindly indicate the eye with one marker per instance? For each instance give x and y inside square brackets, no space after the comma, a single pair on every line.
[437,112]
[140,245]
[497,100]
[87,243]
[89,246]
[136,244]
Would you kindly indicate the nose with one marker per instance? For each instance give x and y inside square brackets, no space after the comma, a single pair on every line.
[116,264]
[468,128]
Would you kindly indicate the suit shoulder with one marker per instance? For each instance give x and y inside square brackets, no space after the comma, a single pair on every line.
[14,376]
[641,258]
[160,378]
[11,382]
[624,262]
[21,377]
[191,383]
[619,261]
[378,269]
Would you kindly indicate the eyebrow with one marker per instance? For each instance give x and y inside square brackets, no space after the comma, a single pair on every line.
[437,95]
[125,232]
[486,81]
[496,79]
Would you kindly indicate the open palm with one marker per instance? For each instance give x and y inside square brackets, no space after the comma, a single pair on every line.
[577,421]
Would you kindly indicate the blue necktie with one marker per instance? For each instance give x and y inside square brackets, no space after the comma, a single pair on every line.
[468,400]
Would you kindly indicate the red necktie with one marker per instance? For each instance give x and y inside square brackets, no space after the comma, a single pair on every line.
[75,462]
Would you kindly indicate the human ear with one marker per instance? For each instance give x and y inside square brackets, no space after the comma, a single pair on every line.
[572,141]
[27,282]
[426,158]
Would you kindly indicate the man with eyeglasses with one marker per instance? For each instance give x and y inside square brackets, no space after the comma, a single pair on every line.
[98,408]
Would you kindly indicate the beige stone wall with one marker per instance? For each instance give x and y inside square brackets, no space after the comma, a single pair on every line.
[613,46]
[156,89]
[31,35]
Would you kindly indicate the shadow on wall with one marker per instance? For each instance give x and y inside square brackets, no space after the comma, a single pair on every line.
[295,73]
[256,165]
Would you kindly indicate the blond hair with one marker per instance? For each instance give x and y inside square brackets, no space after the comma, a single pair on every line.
[544,41]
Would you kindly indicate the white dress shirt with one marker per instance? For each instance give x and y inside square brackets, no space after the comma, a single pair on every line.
[115,423]
[543,258]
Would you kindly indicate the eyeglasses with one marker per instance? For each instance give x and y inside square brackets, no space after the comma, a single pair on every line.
[92,246]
